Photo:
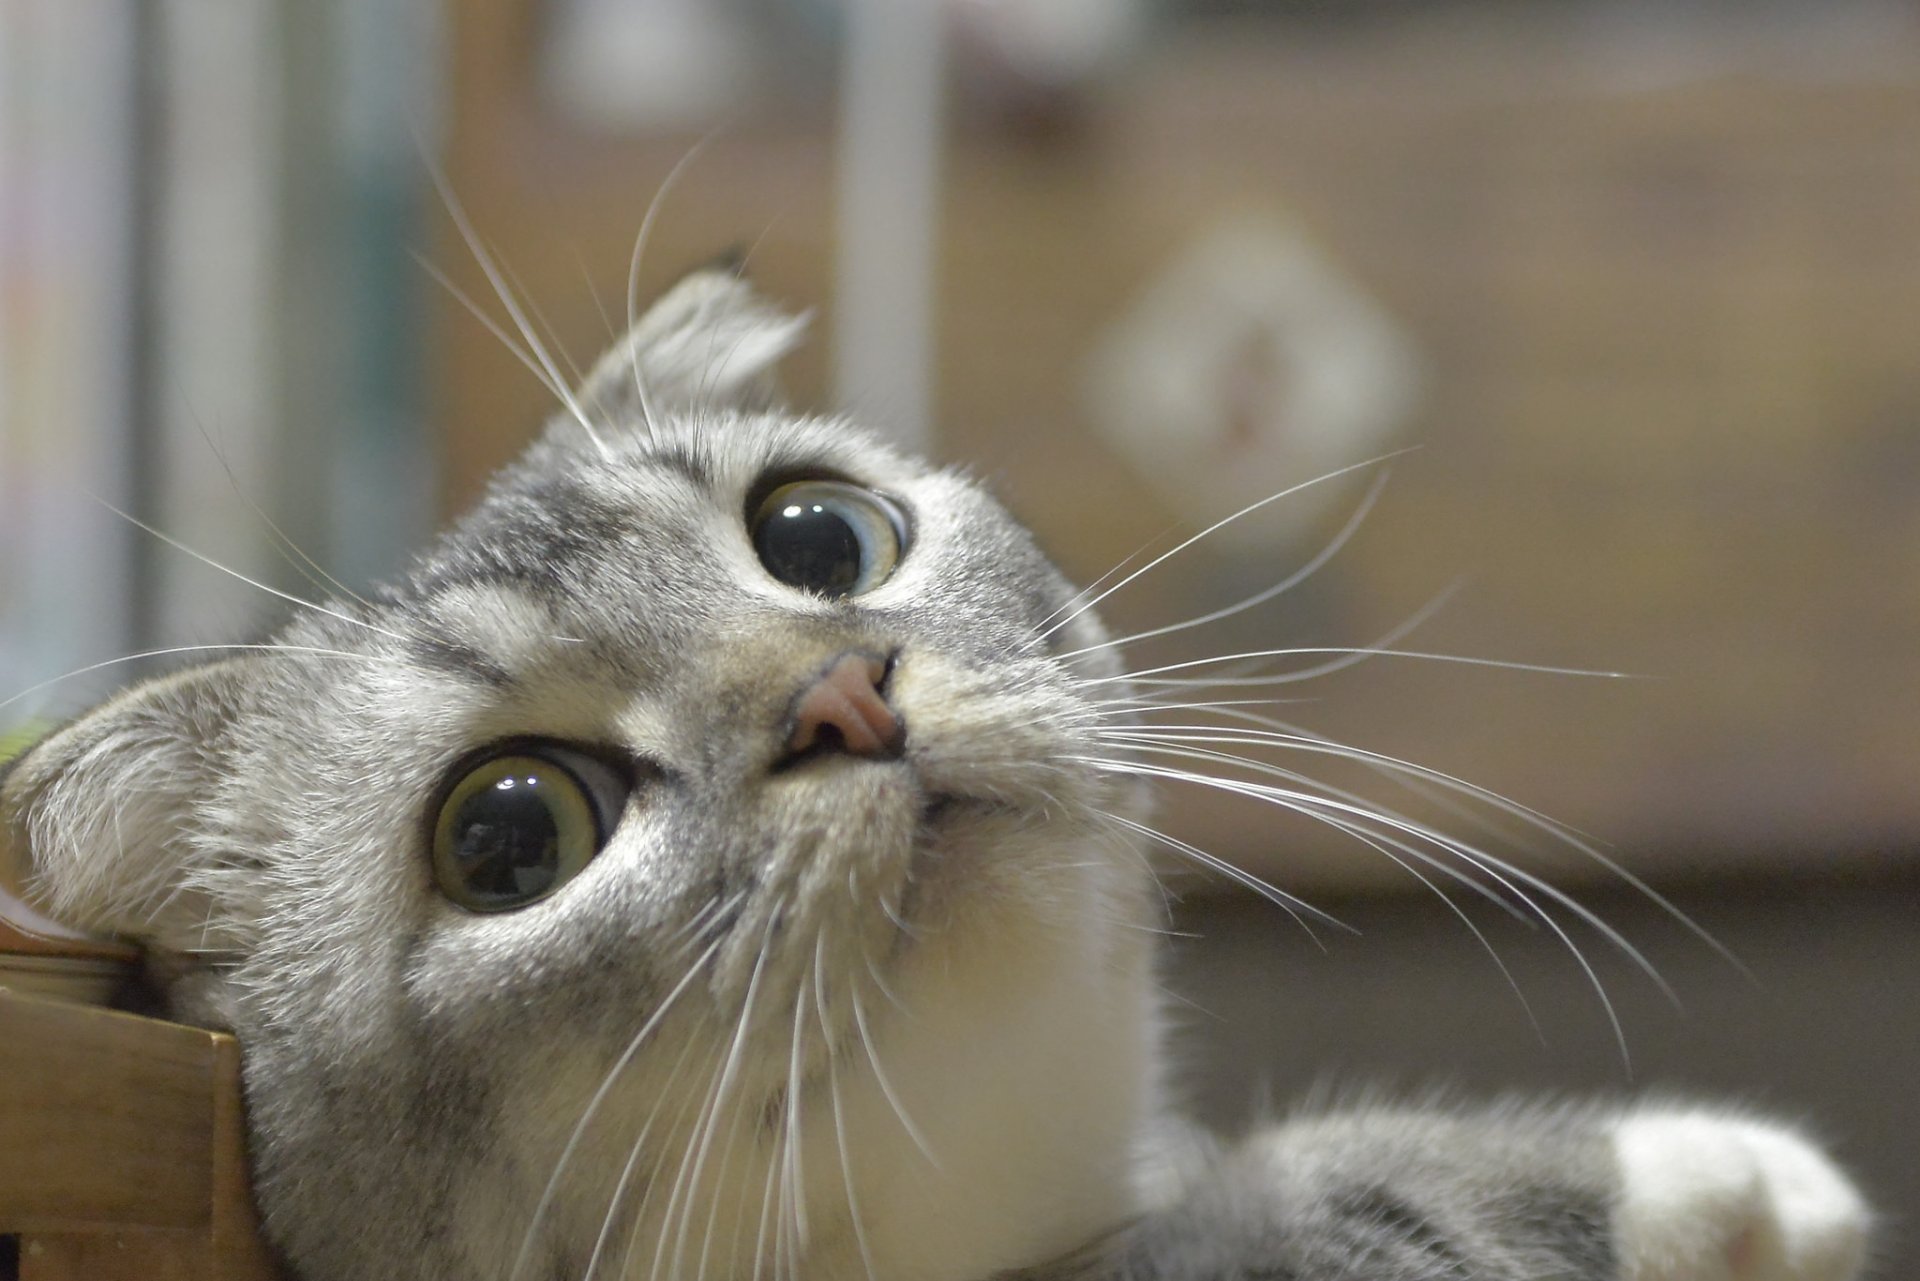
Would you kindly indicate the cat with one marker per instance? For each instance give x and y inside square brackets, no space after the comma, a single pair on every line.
[714,858]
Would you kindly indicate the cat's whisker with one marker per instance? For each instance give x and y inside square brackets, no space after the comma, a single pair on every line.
[492,326]
[632,1164]
[1350,655]
[1407,773]
[1075,602]
[205,559]
[1325,808]
[1218,525]
[173,651]
[497,279]
[691,1103]
[839,1109]
[1259,598]
[793,1206]
[306,566]
[1291,904]
[575,375]
[640,240]
[880,1077]
[597,1099]
[706,1127]
[881,985]
[1306,781]
[695,1135]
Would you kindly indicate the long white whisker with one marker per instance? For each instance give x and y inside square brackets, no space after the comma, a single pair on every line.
[839,1110]
[289,549]
[1295,739]
[205,559]
[1291,904]
[886,1085]
[1311,805]
[173,650]
[1351,654]
[599,1097]
[639,252]
[628,1170]
[1248,510]
[497,279]
[723,1085]
[1261,597]
[493,327]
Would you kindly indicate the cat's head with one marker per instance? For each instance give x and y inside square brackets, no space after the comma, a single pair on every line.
[702,850]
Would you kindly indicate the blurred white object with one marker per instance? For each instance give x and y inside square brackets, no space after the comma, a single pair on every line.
[1252,364]
[1054,43]
[645,64]
[888,199]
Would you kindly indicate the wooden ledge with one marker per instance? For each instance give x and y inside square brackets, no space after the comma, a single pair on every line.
[122,1148]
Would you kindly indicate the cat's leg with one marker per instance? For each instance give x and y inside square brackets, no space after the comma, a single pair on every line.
[1711,1197]
[1515,1193]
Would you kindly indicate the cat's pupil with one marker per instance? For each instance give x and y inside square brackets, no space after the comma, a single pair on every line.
[809,545]
[508,841]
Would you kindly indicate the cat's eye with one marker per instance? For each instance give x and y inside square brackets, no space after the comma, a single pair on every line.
[519,824]
[828,536]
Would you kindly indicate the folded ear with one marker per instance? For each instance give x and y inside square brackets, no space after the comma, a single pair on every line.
[709,341]
[99,821]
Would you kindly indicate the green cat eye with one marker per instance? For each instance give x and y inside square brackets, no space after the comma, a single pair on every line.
[828,536]
[518,825]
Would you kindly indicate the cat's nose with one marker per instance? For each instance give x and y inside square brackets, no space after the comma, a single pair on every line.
[843,710]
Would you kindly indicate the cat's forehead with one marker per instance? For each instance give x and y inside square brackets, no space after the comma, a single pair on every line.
[637,550]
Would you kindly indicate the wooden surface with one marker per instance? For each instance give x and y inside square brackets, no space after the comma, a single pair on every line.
[1668,326]
[122,1147]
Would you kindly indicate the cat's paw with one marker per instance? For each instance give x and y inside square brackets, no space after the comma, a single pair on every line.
[1709,1197]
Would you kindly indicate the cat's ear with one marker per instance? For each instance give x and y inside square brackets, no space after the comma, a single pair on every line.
[98,821]
[711,340]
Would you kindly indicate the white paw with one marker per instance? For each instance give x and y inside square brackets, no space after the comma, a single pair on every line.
[1717,1198]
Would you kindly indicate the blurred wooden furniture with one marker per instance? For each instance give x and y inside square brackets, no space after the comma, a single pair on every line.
[122,1154]
[1667,314]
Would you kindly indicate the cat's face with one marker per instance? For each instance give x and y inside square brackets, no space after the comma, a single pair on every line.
[561,908]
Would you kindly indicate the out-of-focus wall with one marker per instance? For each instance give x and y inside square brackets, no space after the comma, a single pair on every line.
[1637,283]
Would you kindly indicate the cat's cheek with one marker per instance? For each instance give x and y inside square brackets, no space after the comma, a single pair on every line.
[1708,1197]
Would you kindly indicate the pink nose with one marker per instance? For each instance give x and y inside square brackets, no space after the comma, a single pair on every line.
[843,710]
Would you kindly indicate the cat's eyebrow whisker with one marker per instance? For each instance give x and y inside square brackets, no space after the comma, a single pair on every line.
[175,650]
[1261,597]
[1218,525]
[640,240]
[496,278]
[599,1097]
[574,373]
[493,327]
[205,559]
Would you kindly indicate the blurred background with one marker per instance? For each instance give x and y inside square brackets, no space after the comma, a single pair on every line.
[1637,284]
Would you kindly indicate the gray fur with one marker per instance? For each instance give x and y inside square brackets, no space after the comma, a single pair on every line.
[676,1063]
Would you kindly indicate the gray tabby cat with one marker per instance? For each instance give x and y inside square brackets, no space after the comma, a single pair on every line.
[710,861]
